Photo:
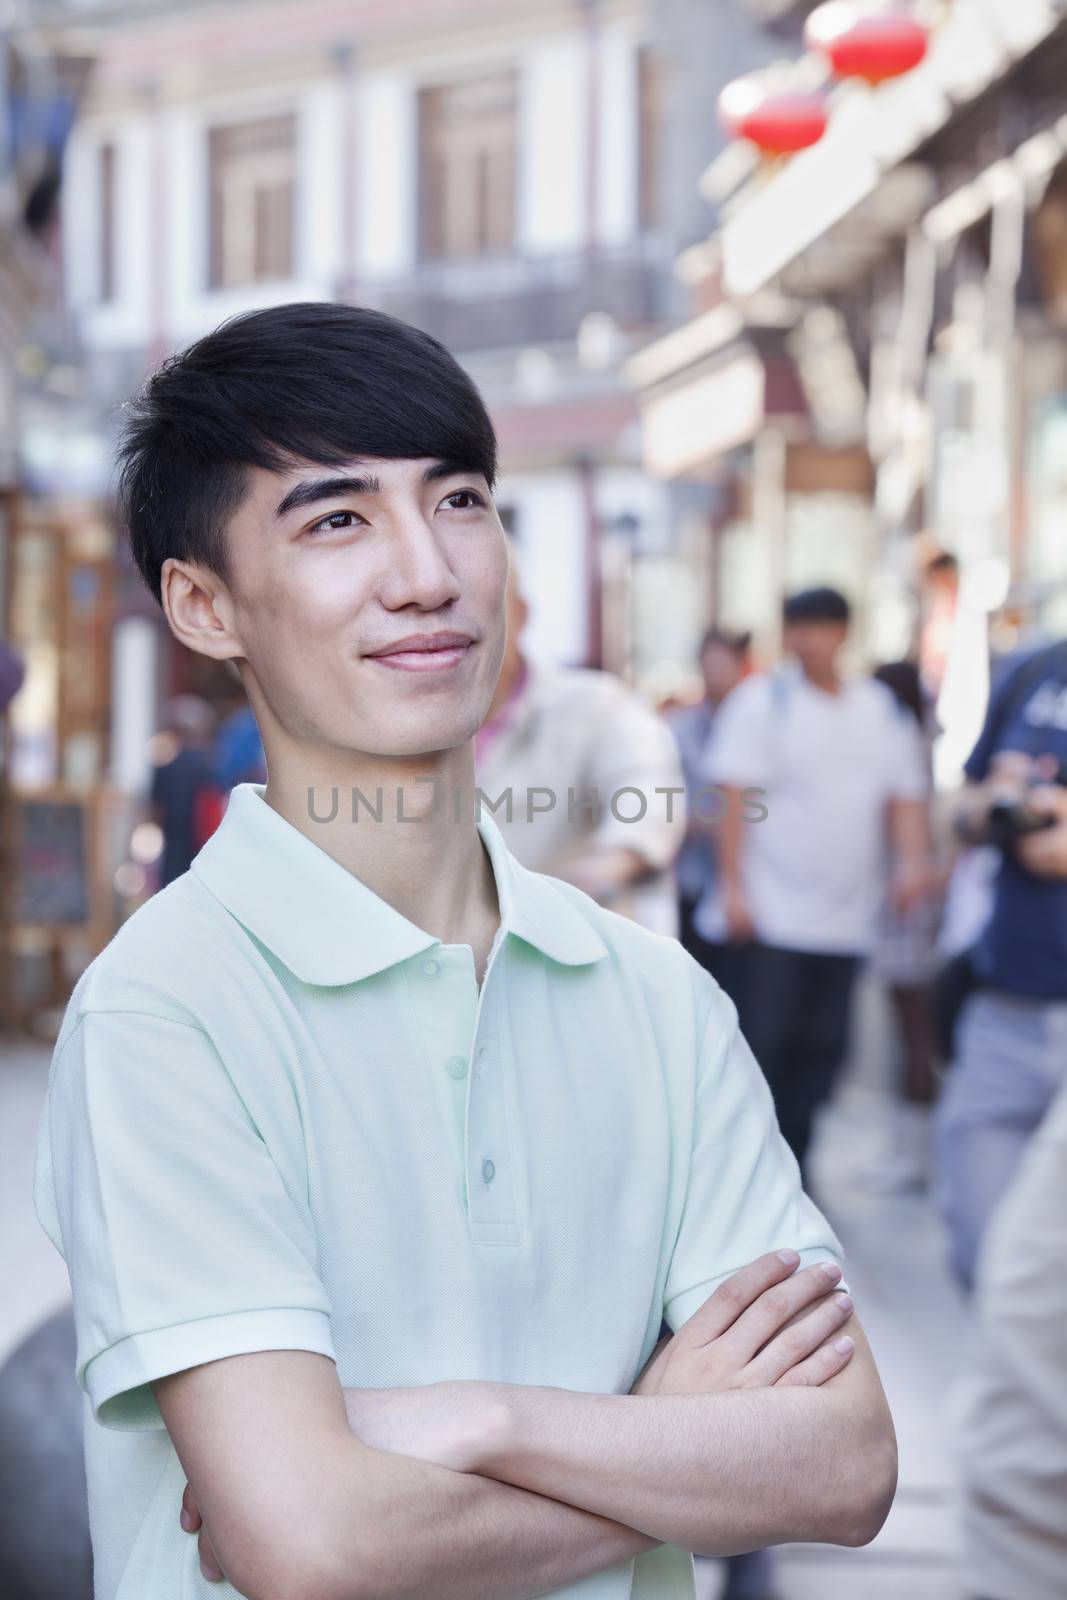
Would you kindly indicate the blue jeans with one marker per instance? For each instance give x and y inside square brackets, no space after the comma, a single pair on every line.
[1011,1058]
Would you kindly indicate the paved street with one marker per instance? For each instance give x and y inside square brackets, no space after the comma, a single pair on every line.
[895,1272]
[28,1261]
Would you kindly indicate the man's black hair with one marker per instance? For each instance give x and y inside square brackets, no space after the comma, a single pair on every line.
[736,643]
[816,605]
[309,381]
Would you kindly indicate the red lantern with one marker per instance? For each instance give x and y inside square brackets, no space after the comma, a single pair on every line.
[777,124]
[858,45]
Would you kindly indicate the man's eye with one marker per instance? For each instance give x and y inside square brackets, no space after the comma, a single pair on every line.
[471,494]
[330,524]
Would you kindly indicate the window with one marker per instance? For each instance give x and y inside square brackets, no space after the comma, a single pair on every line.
[106,259]
[252,180]
[467,161]
[651,105]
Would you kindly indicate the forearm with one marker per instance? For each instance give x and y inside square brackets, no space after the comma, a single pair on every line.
[731,837]
[715,1473]
[909,827]
[462,1536]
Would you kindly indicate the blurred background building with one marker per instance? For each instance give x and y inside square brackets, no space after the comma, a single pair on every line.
[877,366]
[714,377]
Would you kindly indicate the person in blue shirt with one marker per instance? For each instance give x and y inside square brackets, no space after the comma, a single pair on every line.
[237,754]
[1010,1053]
[177,782]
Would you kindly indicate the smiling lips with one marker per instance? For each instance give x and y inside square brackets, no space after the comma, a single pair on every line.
[432,652]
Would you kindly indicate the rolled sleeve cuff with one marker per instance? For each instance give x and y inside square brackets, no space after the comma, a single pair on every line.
[117,1380]
[680,1307]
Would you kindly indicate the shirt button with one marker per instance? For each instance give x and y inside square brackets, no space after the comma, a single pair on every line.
[488,1169]
[456,1066]
[430,967]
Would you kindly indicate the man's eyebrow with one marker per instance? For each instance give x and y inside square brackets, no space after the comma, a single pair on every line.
[316,489]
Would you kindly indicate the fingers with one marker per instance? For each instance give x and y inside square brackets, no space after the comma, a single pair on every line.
[191,1520]
[800,1340]
[189,1516]
[739,1291]
[772,1310]
[208,1563]
[826,1362]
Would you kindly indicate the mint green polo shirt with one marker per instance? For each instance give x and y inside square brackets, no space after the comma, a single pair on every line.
[282,1116]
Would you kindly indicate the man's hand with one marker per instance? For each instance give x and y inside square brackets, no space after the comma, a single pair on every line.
[1010,774]
[605,873]
[1045,853]
[762,1327]
[740,928]
[192,1522]
[911,883]
[766,1325]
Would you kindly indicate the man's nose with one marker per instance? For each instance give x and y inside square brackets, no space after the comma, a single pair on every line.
[419,572]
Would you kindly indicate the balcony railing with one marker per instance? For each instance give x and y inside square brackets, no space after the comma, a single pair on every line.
[488,303]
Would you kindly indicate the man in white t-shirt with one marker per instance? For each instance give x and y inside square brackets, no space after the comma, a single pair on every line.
[815,770]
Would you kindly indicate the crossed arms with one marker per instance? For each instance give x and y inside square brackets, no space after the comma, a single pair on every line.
[757,1423]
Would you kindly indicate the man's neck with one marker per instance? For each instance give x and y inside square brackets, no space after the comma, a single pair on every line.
[827,682]
[426,860]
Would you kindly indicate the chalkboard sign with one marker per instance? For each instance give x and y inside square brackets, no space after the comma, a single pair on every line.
[51,861]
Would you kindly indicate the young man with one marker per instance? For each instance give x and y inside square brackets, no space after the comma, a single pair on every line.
[842,768]
[376,1158]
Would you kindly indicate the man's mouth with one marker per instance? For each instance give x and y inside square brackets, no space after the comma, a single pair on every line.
[428,653]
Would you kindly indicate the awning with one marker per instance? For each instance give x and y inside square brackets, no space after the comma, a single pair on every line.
[769,224]
[716,407]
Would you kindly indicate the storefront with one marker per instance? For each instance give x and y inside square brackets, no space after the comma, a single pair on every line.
[59,814]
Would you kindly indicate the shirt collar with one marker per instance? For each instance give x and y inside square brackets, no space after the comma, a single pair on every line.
[328,927]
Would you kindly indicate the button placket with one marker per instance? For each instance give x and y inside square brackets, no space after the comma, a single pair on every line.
[491,1202]
[441,1015]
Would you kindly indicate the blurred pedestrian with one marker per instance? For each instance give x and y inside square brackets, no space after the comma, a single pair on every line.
[237,755]
[1013,1423]
[554,735]
[904,960]
[817,770]
[940,602]
[12,674]
[182,786]
[724,661]
[1011,1039]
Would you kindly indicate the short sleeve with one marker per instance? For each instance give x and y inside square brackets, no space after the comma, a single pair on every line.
[635,750]
[908,768]
[738,752]
[744,1196]
[182,1241]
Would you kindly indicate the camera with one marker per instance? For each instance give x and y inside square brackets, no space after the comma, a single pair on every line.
[1013,819]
